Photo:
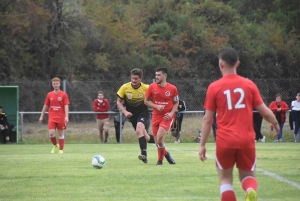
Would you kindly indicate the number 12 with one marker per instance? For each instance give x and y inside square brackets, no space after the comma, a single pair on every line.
[239,103]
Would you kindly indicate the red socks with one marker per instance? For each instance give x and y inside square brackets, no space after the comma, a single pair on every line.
[249,183]
[53,140]
[227,193]
[61,144]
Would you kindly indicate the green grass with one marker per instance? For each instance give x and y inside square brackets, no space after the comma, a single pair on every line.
[30,172]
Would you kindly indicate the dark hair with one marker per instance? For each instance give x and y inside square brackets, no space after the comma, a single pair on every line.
[0,107]
[100,92]
[137,71]
[278,95]
[163,70]
[229,55]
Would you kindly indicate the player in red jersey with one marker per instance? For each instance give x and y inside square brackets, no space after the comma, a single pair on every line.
[233,98]
[57,104]
[101,104]
[164,102]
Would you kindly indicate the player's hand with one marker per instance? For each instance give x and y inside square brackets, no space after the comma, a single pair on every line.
[66,119]
[277,129]
[202,152]
[160,107]
[128,114]
[168,116]
[41,119]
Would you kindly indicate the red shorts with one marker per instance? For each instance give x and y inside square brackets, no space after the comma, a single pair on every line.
[57,125]
[244,159]
[159,121]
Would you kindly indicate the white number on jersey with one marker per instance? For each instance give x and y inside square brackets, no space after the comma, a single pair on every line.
[239,103]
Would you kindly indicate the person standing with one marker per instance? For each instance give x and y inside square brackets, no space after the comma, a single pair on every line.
[295,117]
[57,104]
[279,108]
[133,94]
[4,127]
[233,98]
[101,104]
[176,126]
[163,98]
[117,122]
[257,121]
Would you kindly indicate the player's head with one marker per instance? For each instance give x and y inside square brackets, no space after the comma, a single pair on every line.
[100,95]
[56,83]
[136,77]
[298,96]
[228,57]
[278,98]
[161,75]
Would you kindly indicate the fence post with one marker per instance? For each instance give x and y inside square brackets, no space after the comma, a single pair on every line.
[121,126]
[22,125]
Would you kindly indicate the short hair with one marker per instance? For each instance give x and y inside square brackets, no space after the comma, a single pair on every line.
[137,71]
[100,92]
[229,55]
[163,70]
[298,94]
[0,107]
[56,79]
[278,95]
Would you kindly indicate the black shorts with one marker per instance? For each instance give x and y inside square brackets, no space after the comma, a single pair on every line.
[143,118]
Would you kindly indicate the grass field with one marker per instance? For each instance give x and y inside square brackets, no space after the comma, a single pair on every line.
[30,172]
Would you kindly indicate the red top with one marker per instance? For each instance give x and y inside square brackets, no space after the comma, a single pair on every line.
[284,108]
[233,98]
[162,96]
[56,103]
[99,106]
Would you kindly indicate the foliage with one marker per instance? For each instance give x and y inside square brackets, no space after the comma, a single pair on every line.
[91,40]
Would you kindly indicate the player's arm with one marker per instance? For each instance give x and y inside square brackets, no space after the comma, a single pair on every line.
[207,122]
[45,108]
[268,115]
[95,106]
[66,113]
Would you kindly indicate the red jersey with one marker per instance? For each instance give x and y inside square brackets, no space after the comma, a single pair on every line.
[162,96]
[56,103]
[103,106]
[233,98]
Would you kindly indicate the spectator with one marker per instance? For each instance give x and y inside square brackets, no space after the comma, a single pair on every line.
[176,126]
[257,121]
[101,104]
[4,127]
[295,117]
[115,108]
[57,102]
[279,108]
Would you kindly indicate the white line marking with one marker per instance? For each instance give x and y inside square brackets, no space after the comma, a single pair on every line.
[279,178]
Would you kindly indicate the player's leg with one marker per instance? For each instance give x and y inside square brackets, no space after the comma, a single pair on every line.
[106,129]
[164,126]
[100,129]
[61,127]
[246,162]
[140,128]
[52,136]
[225,160]
[117,129]
[149,137]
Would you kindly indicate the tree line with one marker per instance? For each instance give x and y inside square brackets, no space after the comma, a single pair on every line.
[104,39]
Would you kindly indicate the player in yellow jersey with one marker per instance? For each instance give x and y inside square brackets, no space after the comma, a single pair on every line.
[133,93]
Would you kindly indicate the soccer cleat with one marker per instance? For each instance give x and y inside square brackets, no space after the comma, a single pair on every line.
[251,195]
[54,149]
[143,158]
[263,139]
[170,159]
[60,151]
[159,163]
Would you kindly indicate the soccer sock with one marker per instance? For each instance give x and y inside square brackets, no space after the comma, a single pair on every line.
[143,145]
[61,142]
[227,193]
[249,183]
[106,136]
[161,152]
[53,140]
[151,139]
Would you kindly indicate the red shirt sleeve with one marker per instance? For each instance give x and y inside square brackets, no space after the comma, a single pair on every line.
[149,92]
[273,106]
[210,103]
[95,105]
[106,108]
[284,107]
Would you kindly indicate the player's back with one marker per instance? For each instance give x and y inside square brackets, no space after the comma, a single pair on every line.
[235,98]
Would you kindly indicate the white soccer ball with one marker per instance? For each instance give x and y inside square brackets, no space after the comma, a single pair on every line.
[98,161]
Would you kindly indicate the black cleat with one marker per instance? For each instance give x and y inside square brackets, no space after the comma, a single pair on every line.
[159,163]
[143,158]
[170,159]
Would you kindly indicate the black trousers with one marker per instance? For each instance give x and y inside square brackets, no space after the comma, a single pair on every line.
[257,121]
[3,134]
[117,129]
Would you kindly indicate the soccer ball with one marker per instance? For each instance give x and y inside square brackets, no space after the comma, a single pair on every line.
[98,161]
